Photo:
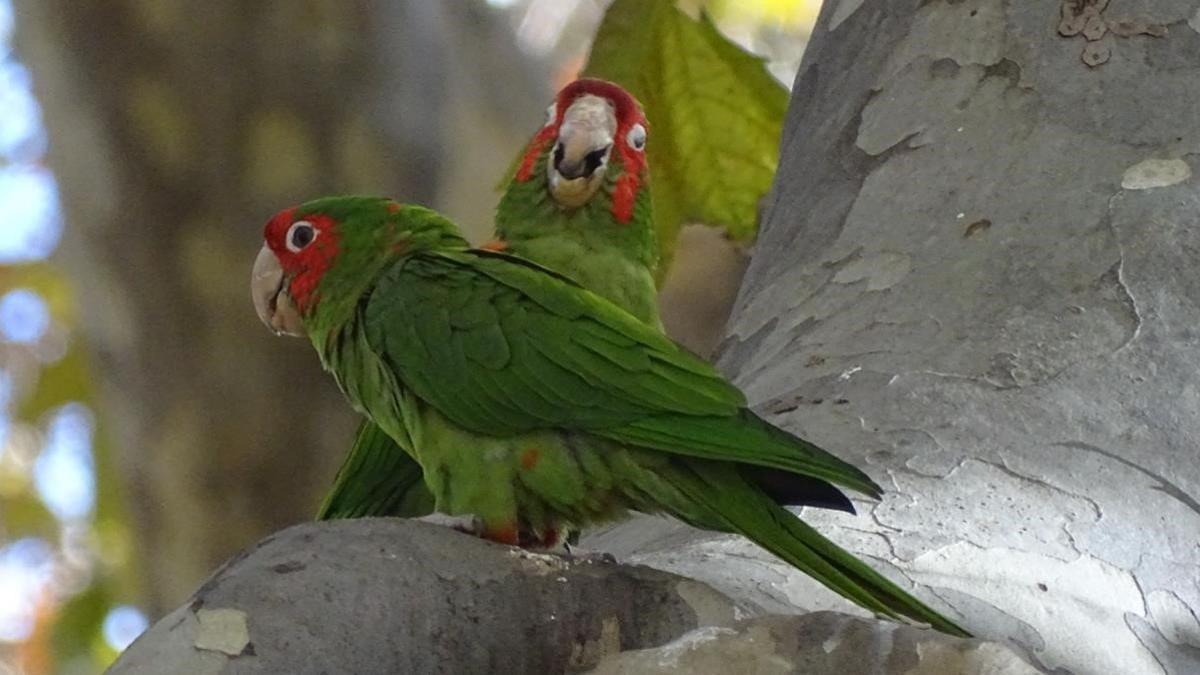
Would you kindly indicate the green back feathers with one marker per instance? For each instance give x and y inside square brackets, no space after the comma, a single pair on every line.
[369,233]
[365,222]
[502,347]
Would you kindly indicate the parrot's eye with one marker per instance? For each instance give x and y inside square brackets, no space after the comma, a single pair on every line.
[299,235]
[636,137]
[551,114]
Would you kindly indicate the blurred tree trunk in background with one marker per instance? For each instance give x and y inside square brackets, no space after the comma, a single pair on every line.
[698,292]
[176,130]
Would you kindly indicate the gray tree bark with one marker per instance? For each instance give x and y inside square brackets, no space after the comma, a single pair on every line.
[176,130]
[392,596]
[976,279]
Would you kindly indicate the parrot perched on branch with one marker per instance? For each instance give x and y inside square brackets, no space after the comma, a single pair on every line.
[534,404]
[578,202]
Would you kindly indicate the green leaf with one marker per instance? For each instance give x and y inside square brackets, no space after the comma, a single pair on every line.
[76,634]
[715,115]
[25,515]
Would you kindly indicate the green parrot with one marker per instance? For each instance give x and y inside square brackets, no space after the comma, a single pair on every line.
[533,404]
[578,201]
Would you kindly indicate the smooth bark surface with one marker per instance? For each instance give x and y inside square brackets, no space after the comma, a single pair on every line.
[392,596]
[977,279]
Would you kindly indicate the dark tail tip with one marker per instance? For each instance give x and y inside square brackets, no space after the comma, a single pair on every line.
[790,489]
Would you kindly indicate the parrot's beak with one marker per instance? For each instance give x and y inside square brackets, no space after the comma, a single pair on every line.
[270,297]
[577,167]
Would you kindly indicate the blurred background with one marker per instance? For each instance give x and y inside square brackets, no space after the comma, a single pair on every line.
[149,425]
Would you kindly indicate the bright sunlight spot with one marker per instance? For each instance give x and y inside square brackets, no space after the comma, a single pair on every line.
[122,626]
[24,317]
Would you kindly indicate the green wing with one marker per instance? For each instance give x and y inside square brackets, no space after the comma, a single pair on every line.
[377,478]
[502,346]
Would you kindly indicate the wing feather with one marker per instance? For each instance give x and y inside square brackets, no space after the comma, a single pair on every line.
[501,346]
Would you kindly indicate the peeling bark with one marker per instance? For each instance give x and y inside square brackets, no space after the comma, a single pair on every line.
[818,642]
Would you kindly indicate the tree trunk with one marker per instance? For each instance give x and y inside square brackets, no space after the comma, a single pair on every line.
[976,279]
[177,129]
[384,595]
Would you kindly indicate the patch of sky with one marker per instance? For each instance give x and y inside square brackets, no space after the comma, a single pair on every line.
[24,316]
[64,474]
[122,625]
[26,566]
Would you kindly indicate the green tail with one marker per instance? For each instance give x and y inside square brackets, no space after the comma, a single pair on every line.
[378,478]
[745,438]
[727,502]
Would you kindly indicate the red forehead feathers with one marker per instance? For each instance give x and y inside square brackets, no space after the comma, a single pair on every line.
[277,227]
[307,266]
[628,110]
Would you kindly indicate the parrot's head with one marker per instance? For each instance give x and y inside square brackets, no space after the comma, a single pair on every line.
[590,125]
[298,248]
[334,244]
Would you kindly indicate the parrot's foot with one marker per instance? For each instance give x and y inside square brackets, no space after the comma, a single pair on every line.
[578,555]
[554,542]
[546,542]
[467,524]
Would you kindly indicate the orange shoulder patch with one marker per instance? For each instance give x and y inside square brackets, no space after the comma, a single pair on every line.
[529,458]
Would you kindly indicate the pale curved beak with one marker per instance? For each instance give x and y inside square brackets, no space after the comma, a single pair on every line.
[271,300]
[580,154]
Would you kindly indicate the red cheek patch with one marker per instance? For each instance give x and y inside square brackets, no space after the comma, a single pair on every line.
[629,183]
[310,264]
[624,197]
[536,147]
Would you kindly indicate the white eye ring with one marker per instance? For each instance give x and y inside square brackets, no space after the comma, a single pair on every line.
[300,235]
[636,137]
[551,114]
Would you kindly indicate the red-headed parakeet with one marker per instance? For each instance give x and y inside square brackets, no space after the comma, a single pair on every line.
[532,403]
[577,202]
